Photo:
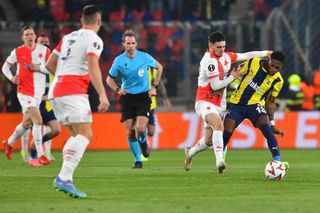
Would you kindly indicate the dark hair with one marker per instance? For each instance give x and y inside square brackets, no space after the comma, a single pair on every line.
[89,13]
[26,27]
[129,33]
[277,55]
[216,37]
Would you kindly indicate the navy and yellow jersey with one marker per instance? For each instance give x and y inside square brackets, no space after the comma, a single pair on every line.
[256,84]
[49,79]
[152,76]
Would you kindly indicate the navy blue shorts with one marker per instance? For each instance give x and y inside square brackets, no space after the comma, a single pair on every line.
[47,113]
[240,112]
[151,118]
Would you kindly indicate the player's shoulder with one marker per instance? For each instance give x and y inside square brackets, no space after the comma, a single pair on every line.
[119,58]
[209,58]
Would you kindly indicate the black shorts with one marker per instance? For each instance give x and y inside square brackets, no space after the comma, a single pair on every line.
[151,118]
[47,113]
[133,105]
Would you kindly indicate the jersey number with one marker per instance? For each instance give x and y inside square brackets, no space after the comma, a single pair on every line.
[261,109]
[65,56]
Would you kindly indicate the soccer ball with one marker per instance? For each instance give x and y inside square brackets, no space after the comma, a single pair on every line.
[274,170]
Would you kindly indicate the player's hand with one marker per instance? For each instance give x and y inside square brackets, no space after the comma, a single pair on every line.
[15,79]
[167,102]
[104,104]
[122,91]
[45,98]
[277,131]
[235,73]
[152,92]
[269,53]
[34,67]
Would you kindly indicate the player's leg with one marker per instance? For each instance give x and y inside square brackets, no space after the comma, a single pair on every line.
[133,142]
[36,119]
[18,132]
[262,123]
[141,128]
[52,129]
[232,119]
[73,152]
[198,147]
[216,124]
[24,145]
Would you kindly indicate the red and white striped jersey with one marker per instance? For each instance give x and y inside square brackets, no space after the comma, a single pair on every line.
[30,83]
[214,67]
[72,75]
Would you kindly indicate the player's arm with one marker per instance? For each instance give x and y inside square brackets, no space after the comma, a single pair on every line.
[96,79]
[271,108]
[253,54]
[214,76]
[7,72]
[11,60]
[163,92]
[153,89]
[51,64]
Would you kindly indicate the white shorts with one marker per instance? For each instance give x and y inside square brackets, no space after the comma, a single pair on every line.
[72,109]
[28,101]
[203,108]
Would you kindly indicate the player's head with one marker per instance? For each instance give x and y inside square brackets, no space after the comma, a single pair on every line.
[276,60]
[129,42]
[91,16]
[44,40]
[217,43]
[28,35]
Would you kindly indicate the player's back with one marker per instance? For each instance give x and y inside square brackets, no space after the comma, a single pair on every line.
[74,49]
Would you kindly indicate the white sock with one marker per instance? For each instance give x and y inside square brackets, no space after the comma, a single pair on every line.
[48,143]
[73,151]
[16,134]
[217,141]
[37,138]
[25,140]
[198,147]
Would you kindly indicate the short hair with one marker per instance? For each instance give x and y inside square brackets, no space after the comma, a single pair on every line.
[89,13]
[129,33]
[25,27]
[277,55]
[216,37]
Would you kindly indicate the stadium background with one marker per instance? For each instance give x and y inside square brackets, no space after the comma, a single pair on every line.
[175,33]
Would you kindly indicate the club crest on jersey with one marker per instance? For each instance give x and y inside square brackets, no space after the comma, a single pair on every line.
[96,45]
[211,67]
[268,82]
[141,72]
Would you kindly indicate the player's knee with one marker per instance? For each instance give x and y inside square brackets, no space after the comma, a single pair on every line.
[150,134]
[141,130]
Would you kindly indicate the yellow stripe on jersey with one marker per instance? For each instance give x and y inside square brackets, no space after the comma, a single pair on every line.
[152,76]
[256,84]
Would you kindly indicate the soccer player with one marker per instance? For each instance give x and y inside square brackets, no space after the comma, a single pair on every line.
[211,95]
[30,78]
[75,61]
[132,65]
[51,125]
[254,99]
[166,102]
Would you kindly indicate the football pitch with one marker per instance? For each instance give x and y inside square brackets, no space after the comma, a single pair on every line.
[163,185]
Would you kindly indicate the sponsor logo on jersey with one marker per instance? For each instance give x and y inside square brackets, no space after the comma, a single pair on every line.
[253,85]
[211,67]
[141,72]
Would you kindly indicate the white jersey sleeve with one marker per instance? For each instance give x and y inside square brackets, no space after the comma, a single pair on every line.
[12,58]
[95,46]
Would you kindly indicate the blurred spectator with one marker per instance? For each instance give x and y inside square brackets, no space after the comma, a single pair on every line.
[295,95]
[308,91]
[316,84]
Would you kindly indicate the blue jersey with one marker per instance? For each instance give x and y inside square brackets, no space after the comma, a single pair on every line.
[133,71]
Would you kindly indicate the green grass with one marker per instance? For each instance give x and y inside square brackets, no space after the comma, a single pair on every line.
[163,185]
